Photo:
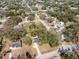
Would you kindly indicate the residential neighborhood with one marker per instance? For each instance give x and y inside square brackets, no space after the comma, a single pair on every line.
[39,29]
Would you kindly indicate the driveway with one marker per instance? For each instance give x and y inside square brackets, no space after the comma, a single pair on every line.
[35,45]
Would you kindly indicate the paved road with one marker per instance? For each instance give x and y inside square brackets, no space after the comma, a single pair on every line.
[55,53]
[35,45]
[48,55]
[10,55]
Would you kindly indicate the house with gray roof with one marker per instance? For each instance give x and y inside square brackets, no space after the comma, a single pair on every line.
[15,44]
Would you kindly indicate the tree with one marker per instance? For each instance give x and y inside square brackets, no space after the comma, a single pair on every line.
[72,32]
[71,55]
[51,37]
[8,27]
[54,38]
[1,40]
[9,30]
[27,40]
[17,34]
[31,17]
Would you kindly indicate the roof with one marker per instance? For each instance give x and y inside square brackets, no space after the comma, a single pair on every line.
[15,44]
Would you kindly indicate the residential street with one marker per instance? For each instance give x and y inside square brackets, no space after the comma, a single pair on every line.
[55,53]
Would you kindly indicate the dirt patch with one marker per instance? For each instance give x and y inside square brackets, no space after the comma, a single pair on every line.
[46,48]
